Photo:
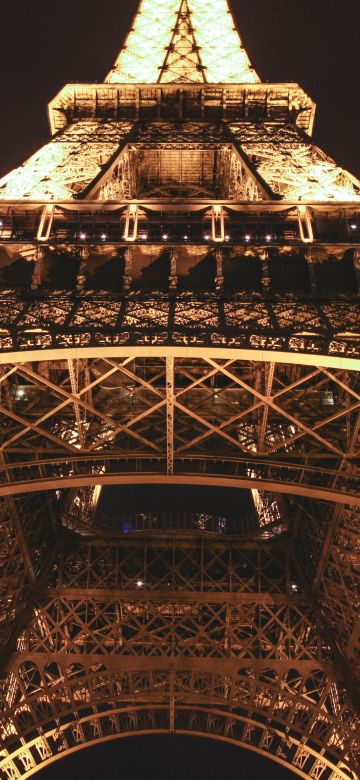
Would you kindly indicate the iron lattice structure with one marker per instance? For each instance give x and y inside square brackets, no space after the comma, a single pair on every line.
[179,272]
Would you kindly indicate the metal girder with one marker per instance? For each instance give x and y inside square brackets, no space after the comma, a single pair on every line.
[332,571]
[27,535]
[228,635]
[284,330]
[269,378]
[170,414]
[225,427]
[222,350]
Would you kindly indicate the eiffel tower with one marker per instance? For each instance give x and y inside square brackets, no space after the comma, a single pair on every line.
[180,414]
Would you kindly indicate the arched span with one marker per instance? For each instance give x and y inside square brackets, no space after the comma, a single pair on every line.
[194,721]
[333,361]
[283,711]
[77,481]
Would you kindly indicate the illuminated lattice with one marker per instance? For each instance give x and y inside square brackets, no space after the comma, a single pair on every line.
[183,327]
[64,168]
[195,41]
[292,167]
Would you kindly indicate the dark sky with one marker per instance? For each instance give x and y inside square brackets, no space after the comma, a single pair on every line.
[166,758]
[45,44]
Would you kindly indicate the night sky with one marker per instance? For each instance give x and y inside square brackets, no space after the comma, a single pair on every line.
[46,44]
[165,758]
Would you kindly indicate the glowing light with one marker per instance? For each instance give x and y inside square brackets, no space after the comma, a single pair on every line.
[227,238]
[353,226]
[294,169]
[268,237]
[186,238]
[247,237]
[223,57]
[63,168]
[103,236]
[165,236]
[143,236]
[82,236]
[139,584]
[207,238]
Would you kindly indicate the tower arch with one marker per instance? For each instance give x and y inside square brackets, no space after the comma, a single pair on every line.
[179,307]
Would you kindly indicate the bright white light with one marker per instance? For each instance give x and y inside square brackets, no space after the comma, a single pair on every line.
[207,238]
[353,226]
[165,236]
[143,236]
[143,55]
[186,238]
[1,223]
[247,237]
[20,393]
[227,238]
[61,171]
[296,169]
[139,584]
[268,237]
[82,236]
[103,236]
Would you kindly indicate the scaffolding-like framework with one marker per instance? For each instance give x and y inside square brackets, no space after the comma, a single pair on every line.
[179,282]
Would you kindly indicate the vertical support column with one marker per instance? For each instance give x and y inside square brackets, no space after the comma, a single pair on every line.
[37,277]
[357,266]
[127,269]
[45,225]
[218,224]
[269,371]
[305,225]
[173,279]
[74,381]
[266,281]
[81,277]
[219,280]
[131,224]
[311,261]
[170,415]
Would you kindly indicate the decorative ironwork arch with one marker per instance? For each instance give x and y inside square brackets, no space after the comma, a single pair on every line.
[285,727]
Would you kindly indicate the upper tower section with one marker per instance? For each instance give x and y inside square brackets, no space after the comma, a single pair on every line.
[175,41]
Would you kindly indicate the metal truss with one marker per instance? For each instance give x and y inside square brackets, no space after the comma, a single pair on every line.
[261,102]
[176,634]
[333,571]
[293,167]
[211,420]
[92,159]
[66,166]
[179,273]
[27,536]
[250,326]
[180,40]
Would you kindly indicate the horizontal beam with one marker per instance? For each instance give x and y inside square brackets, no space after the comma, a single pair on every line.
[153,351]
[186,204]
[113,95]
[240,483]
[122,663]
[142,595]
